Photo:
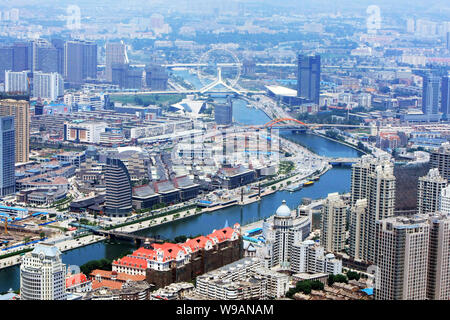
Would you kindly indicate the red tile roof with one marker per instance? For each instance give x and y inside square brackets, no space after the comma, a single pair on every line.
[132,262]
[120,276]
[197,243]
[222,234]
[76,279]
[111,284]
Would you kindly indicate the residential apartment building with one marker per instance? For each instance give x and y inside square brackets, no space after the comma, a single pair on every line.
[429,191]
[402,258]
[20,109]
[333,223]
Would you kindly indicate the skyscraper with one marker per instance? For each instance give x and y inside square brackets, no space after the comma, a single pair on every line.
[440,159]
[7,156]
[438,284]
[308,78]
[22,56]
[430,94]
[80,61]
[429,192]
[45,57]
[333,223]
[118,188]
[445,97]
[381,205]
[20,109]
[402,258]
[42,274]
[6,61]
[116,52]
[372,179]
[47,85]
[358,218]
[58,44]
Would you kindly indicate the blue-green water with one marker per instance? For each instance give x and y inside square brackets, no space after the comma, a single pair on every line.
[335,180]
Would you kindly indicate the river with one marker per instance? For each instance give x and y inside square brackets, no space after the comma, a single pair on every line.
[335,180]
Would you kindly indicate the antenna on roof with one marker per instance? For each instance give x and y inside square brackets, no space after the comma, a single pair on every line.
[226,224]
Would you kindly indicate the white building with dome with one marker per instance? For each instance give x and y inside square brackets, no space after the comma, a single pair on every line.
[286,247]
[280,232]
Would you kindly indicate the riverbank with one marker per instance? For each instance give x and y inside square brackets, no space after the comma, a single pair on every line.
[345,143]
[62,246]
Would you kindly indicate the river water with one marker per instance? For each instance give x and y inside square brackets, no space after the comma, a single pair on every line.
[335,180]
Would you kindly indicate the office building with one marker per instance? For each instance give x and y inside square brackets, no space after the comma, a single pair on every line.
[7,156]
[116,53]
[223,113]
[6,61]
[438,284]
[20,109]
[402,258]
[42,274]
[430,94]
[333,222]
[22,56]
[444,206]
[59,45]
[429,192]
[118,189]
[17,82]
[48,85]
[440,159]
[445,97]
[80,61]
[357,229]
[45,56]
[308,78]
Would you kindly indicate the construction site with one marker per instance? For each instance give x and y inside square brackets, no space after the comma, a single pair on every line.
[19,227]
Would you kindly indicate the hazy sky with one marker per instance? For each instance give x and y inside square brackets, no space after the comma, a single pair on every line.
[401,7]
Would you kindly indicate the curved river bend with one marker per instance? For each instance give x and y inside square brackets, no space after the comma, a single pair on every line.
[335,180]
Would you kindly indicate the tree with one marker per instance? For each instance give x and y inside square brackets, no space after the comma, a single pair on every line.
[352,275]
[331,279]
[340,278]
[42,235]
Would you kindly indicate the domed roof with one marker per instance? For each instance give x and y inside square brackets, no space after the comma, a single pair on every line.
[283,210]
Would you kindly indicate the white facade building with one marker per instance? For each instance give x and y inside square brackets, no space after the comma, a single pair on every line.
[280,232]
[47,85]
[42,274]
[310,257]
[16,81]
[84,131]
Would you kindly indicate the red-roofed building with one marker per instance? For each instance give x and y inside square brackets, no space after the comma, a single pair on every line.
[130,265]
[77,283]
[98,275]
[166,263]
